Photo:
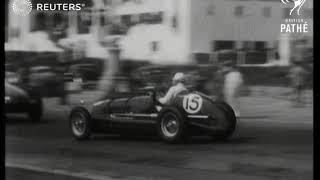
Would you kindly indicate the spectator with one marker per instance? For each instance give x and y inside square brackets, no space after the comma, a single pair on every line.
[297,75]
[233,82]
[218,78]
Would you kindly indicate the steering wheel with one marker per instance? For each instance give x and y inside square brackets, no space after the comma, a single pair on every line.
[155,94]
[160,94]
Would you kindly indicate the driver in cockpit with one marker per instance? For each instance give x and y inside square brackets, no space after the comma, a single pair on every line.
[178,82]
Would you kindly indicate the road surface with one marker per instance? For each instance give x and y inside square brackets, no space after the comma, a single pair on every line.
[273,141]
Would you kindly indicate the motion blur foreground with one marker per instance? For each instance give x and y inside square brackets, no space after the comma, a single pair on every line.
[112,49]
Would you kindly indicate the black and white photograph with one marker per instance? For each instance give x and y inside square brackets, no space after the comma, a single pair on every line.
[158,90]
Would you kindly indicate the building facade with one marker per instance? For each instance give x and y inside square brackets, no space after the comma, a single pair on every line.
[181,30]
[174,31]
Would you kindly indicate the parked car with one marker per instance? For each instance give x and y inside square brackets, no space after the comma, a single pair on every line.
[40,71]
[46,82]
[11,75]
[87,71]
[18,100]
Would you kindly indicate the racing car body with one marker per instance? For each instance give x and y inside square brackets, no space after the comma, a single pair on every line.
[190,113]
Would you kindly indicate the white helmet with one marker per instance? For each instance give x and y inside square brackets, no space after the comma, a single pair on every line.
[179,76]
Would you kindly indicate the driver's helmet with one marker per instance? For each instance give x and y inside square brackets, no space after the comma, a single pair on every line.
[179,77]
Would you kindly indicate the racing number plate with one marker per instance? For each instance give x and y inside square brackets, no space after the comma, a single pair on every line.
[192,103]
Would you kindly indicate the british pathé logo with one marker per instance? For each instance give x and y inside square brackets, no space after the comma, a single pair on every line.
[294,25]
[297,5]
[21,7]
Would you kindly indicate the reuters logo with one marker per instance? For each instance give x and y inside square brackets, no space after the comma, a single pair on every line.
[21,7]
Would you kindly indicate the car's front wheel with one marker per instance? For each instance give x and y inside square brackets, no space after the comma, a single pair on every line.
[171,125]
[80,123]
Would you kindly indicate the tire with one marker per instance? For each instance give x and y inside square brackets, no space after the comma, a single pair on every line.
[232,122]
[170,116]
[35,112]
[80,123]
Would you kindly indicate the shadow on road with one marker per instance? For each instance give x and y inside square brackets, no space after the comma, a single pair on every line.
[22,119]
[117,137]
[254,117]
[192,140]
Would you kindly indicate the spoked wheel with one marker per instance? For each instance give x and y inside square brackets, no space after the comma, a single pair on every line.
[171,125]
[80,124]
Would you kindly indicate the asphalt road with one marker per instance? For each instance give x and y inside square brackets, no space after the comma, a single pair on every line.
[272,141]
[20,173]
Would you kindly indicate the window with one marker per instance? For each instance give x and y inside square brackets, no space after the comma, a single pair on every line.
[84,21]
[107,2]
[202,58]
[154,46]
[59,29]
[254,45]
[223,45]
[135,19]
[103,17]
[210,10]
[174,22]
[266,11]
[117,29]
[248,45]
[40,22]
[151,18]
[59,19]
[238,10]
[126,20]
[15,32]
[260,45]
[157,18]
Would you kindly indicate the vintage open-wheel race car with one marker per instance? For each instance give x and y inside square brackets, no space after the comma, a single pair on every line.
[190,113]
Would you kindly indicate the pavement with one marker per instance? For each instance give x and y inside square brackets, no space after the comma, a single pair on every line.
[273,140]
[285,93]
[22,173]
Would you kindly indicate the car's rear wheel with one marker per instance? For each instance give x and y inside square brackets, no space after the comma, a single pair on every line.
[80,123]
[171,125]
[35,111]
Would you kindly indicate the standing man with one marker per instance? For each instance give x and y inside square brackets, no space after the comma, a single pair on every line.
[297,75]
[219,77]
[233,82]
